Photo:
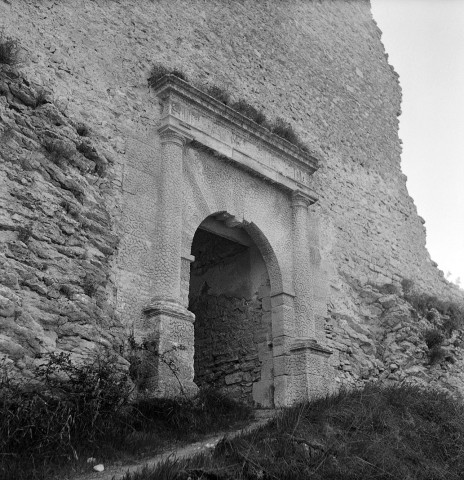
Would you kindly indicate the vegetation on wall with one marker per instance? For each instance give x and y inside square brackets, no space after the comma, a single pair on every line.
[279,127]
[9,49]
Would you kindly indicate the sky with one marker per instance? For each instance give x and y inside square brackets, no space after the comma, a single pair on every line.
[425,43]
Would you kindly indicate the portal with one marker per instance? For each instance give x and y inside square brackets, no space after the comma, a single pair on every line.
[230,297]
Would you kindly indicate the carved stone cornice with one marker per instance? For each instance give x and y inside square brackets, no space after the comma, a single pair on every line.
[208,121]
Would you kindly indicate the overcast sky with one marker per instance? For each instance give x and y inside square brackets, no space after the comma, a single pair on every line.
[425,43]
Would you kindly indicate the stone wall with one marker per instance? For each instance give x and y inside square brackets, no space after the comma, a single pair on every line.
[318,64]
[56,232]
[226,355]
[230,297]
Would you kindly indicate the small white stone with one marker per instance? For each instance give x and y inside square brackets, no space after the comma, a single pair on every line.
[99,467]
[91,460]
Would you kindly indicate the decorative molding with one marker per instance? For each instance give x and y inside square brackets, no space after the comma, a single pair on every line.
[301,344]
[168,308]
[200,117]
[302,199]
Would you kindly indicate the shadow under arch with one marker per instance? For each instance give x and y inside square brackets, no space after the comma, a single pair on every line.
[258,238]
[232,282]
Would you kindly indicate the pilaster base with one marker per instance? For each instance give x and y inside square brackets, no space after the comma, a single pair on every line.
[302,373]
[167,363]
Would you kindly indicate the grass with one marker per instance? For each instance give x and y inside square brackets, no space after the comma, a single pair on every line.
[158,71]
[399,432]
[48,429]
[280,127]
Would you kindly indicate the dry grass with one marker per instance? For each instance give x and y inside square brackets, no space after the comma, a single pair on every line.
[401,432]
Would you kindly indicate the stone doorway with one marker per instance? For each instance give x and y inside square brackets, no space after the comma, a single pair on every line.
[229,294]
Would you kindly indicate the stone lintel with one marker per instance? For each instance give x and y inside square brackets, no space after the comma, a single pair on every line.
[300,344]
[168,308]
[217,126]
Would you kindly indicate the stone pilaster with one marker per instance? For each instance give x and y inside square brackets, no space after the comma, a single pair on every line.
[168,332]
[167,281]
[304,314]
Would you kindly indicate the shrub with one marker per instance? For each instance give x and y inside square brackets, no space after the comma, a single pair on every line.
[249,111]
[58,150]
[433,338]
[82,130]
[436,355]
[24,233]
[90,285]
[9,49]
[423,303]
[388,289]
[66,290]
[158,71]
[41,98]
[70,209]
[284,130]
[219,94]
[71,409]
[407,285]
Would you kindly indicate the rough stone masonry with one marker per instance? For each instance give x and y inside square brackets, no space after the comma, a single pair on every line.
[159,215]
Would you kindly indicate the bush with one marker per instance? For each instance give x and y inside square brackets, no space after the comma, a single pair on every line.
[388,289]
[24,233]
[9,49]
[41,98]
[219,94]
[436,355]
[249,111]
[407,286]
[82,130]
[158,71]
[90,285]
[423,303]
[433,338]
[59,150]
[284,130]
[70,409]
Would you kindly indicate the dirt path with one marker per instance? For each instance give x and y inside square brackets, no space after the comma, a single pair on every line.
[208,444]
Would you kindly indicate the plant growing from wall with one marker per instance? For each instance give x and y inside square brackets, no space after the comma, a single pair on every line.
[24,233]
[9,49]
[60,151]
[280,127]
[138,353]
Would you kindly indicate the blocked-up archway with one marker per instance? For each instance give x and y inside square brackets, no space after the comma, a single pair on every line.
[230,296]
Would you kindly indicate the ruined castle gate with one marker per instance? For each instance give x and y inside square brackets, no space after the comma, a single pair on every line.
[208,182]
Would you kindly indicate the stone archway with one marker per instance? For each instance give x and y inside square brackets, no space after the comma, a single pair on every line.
[213,159]
[230,295]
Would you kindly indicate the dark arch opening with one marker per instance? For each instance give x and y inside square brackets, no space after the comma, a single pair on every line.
[230,296]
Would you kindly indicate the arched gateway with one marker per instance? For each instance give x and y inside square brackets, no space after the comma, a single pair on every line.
[229,239]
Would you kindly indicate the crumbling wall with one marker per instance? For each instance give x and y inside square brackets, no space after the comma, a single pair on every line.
[320,65]
[56,232]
